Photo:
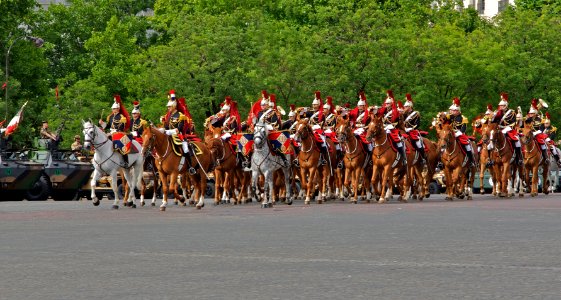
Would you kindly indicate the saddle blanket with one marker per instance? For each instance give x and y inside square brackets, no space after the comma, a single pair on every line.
[122,142]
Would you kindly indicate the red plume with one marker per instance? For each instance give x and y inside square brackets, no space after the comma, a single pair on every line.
[330,102]
[273,99]
[390,94]
[363,98]
[234,111]
[347,105]
[181,106]
[490,107]
[535,103]
[408,97]
[264,94]
[318,95]
[504,96]
[135,103]
[254,111]
[292,107]
[123,111]
[547,116]
[399,104]
[457,101]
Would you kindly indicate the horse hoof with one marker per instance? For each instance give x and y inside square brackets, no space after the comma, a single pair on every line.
[307,202]
[449,198]
[153,204]
[354,202]
[142,204]
[96,203]
[115,206]
[200,206]
[520,195]
[382,200]
[162,209]
[132,205]
[183,203]
[533,194]
[288,202]
[320,201]
[469,198]
[264,205]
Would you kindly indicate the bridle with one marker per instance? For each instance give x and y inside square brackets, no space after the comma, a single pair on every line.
[302,133]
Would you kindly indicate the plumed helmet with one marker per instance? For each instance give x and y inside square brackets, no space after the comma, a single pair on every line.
[171,95]
[504,99]
[225,107]
[400,104]
[136,107]
[409,101]
[326,105]
[317,98]
[362,98]
[489,109]
[389,98]
[547,118]
[533,107]
[264,94]
[264,102]
[455,104]
[117,103]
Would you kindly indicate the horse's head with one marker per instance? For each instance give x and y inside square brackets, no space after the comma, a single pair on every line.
[302,130]
[446,137]
[375,128]
[492,132]
[89,134]
[527,132]
[260,134]
[148,138]
[343,129]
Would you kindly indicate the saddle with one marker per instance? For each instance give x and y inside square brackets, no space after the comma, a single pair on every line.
[122,142]
[178,149]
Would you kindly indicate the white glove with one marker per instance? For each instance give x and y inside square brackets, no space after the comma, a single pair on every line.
[171,131]
[316,127]
[408,129]
[328,131]
[102,124]
[112,130]
[134,133]
[389,127]
[457,133]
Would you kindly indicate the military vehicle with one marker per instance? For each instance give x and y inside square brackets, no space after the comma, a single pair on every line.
[64,172]
[17,173]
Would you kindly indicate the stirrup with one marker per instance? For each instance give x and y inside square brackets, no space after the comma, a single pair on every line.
[340,165]
[296,163]
[192,171]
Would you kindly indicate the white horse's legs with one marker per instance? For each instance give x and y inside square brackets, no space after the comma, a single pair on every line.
[286,172]
[95,178]
[267,201]
[115,189]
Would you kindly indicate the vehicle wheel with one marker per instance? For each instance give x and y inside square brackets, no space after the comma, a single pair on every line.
[40,190]
[209,193]
[433,188]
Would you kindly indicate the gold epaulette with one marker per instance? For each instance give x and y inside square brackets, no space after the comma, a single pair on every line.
[123,119]
[553,129]
[182,117]
[464,120]
[108,117]
[143,123]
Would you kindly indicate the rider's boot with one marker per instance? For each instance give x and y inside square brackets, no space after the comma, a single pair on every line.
[401,149]
[421,150]
[340,158]
[519,157]
[126,160]
[469,154]
[324,154]
[187,154]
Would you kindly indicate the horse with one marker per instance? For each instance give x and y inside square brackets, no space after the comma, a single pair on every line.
[225,166]
[553,174]
[354,159]
[433,157]
[171,165]
[309,161]
[459,179]
[384,159]
[263,161]
[149,166]
[533,159]
[484,160]
[108,161]
[505,168]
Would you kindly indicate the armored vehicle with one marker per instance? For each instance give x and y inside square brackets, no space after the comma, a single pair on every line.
[17,173]
[65,172]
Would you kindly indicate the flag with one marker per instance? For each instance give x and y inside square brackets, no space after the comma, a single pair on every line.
[13,125]
[245,143]
[4,85]
[56,93]
[280,140]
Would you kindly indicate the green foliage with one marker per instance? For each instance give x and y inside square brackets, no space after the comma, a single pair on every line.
[206,50]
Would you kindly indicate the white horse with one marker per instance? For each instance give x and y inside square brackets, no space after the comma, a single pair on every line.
[107,161]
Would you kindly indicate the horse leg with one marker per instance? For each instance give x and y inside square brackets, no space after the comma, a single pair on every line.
[254,182]
[305,183]
[269,185]
[200,194]
[115,189]
[287,185]
[386,174]
[130,198]
[545,176]
[449,184]
[95,177]
[481,178]
[535,180]
[165,191]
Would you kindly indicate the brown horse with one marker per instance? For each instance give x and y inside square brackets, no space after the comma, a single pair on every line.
[354,160]
[309,161]
[502,153]
[484,161]
[533,159]
[459,178]
[170,165]
[384,160]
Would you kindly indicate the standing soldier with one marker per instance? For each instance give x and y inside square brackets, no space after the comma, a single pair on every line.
[458,123]
[118,122]
[138,123]
[506,118]
[411,124]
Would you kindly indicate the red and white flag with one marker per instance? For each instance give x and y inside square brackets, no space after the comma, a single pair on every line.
[13,125]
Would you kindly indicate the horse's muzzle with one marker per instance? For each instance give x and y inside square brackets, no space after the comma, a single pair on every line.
[87,146]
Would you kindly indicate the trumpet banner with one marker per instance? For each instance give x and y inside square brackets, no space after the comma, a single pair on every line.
[280,141]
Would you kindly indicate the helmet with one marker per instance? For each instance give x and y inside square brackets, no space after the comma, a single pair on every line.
[489,109]
[362,99]
[226,107]
[455,104]
[115,105]
[504,99]
[326,105]
[171,94]
[76,137]
[389,99]
[409,101]
[317,98]
[136,109]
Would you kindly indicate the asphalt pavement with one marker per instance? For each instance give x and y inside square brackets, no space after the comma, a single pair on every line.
[487,248]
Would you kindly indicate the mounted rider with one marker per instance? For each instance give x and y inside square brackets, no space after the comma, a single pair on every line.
[329,125]
[174,126]
[288,124]
[138,124]
[269,114]
[359,118]
[411,122]
[506,118]
[317,118]
[227,119]
[551,132]
[391,120]
[118,122]
[458,123]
